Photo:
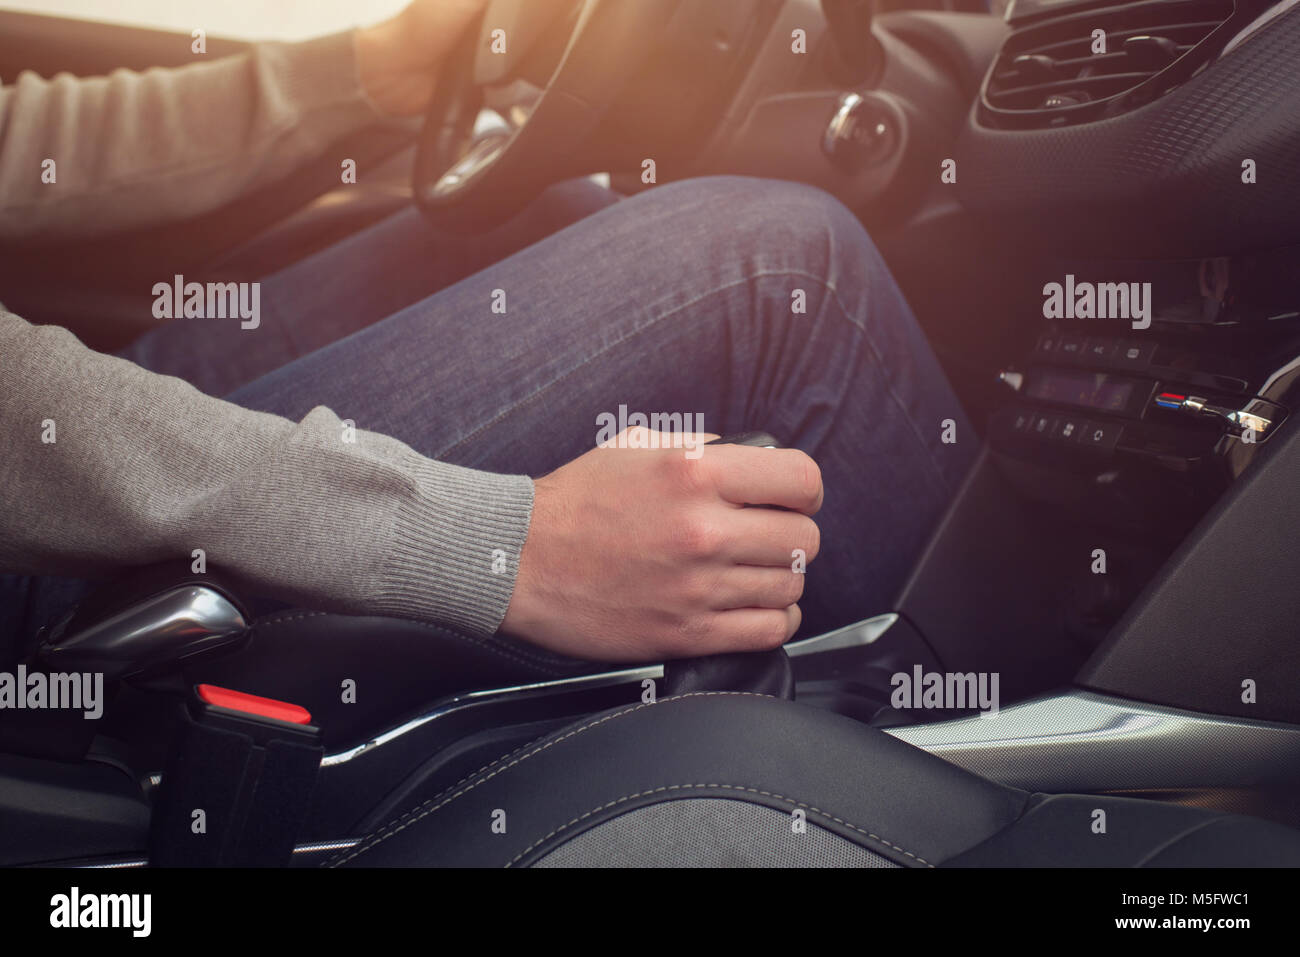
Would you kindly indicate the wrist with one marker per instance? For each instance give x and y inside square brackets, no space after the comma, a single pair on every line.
[521,617]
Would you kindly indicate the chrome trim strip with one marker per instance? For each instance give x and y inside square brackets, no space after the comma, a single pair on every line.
[600,680]
[115,865]
[865,632]
[315,847]
[448,705]
[1079,741]
[342,844]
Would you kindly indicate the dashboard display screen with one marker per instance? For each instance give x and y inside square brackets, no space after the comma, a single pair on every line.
[1088,390]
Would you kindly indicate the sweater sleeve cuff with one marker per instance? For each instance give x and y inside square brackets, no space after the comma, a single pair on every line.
[324,72]
[455,546]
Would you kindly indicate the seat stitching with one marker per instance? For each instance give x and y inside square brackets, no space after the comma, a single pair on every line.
[729,787]
[1177,838]
[423,810]
[285,617]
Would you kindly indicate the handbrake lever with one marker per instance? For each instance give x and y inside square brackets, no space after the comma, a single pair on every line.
[148,623]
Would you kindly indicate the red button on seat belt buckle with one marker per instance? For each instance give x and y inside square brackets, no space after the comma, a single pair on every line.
[252,704]
[251,763]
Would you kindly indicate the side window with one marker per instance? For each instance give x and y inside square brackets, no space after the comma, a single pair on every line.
[236,19]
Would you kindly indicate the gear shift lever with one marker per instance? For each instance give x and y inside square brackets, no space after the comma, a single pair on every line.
[756,672]
[856,56]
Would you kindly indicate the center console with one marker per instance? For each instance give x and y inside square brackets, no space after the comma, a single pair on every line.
[1112,445]
[1145,422]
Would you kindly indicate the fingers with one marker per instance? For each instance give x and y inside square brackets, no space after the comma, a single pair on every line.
[758,536]
[744,475]
[751,629]
[640,437]
[746,586]
[740,474]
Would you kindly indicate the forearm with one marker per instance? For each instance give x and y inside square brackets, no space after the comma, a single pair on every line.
[109,466]
[89,156]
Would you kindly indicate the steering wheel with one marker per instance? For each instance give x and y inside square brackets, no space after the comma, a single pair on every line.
[551,69]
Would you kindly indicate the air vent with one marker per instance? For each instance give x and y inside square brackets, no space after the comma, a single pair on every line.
[1059,70]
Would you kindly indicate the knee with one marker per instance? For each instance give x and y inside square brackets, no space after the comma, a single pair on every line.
[778,223]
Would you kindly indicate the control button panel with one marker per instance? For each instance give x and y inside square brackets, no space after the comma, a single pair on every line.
[1135,355]
[1103,436]
[1063,429]
[1099,351]
[1146,401]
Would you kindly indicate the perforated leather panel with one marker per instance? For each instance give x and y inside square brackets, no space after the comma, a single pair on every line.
[709,832]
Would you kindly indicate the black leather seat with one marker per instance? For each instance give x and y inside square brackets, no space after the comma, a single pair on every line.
[725,778]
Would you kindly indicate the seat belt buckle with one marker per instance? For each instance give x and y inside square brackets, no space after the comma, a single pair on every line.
[262,718]
[238,786]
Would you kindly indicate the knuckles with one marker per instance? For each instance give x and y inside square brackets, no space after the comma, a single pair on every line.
[688,476]
[699,537]
[689,635]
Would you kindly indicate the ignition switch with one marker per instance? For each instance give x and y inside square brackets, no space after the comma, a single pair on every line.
[865,131]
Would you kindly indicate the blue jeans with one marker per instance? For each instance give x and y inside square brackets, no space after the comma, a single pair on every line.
[758,304]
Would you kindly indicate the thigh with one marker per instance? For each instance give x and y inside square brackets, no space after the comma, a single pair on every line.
[741,303]
[347,287]
[647,306]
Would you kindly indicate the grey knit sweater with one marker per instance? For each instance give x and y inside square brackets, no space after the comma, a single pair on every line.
[106,465]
